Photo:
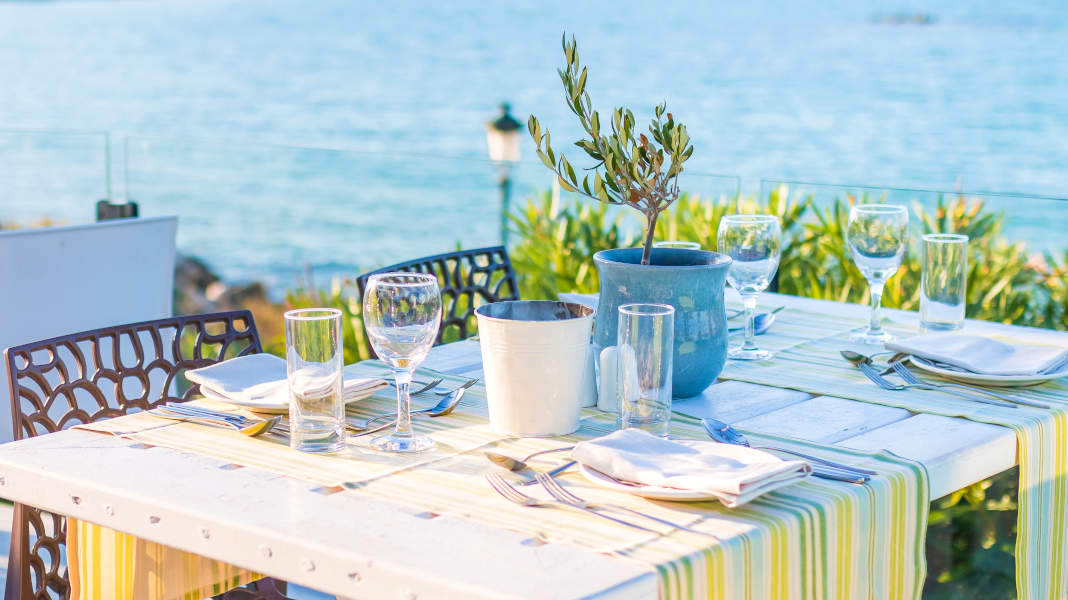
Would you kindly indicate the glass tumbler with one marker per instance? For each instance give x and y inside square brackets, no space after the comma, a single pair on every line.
[314,360]
[944,282]
[645,345]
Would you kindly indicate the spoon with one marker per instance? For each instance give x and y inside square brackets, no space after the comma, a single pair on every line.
[761,322]
[442,408]
[724,433]
[256,428]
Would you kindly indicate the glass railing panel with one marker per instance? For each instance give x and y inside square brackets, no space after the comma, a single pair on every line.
[266,213]
[258,212]
[56,176]
[1040,222]
[1019,247]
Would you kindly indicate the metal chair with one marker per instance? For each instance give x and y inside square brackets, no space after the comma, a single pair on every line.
[468,279]
[84,377]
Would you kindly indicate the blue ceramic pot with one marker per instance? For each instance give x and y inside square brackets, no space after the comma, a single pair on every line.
[692,281]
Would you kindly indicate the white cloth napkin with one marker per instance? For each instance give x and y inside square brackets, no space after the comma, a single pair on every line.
[733,474]
[260,379]
[984,355]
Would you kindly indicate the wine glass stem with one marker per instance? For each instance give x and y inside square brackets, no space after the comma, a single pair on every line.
[875,325]
[749,301]
[403,377]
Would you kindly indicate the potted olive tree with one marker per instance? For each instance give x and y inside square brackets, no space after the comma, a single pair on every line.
[633,170]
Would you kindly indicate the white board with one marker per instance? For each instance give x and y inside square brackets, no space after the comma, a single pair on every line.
[61,280]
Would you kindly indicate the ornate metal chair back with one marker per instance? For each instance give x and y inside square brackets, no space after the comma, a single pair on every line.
[468,279]
[84,377]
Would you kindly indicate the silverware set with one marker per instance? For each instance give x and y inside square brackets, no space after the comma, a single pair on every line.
[822,467]
[193,414]
[564,499]
[912,381]
[180,411]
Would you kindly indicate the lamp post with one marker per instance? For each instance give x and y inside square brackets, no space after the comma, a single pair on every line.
[502,137]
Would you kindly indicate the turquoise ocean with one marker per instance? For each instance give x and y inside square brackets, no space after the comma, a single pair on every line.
[342,135]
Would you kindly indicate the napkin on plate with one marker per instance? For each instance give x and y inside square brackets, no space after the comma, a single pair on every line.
[984,355]
[260,379]
[733,474]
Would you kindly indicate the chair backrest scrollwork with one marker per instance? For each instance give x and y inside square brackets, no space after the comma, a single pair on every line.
[468,279]
[84,377]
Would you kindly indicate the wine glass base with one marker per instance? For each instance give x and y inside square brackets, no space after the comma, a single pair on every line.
[873,339]
[402,443]
[754,354]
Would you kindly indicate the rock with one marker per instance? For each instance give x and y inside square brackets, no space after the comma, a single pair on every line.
[197,289]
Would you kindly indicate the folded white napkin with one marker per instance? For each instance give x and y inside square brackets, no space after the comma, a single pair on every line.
[733,474]
[984,355]
[260,380]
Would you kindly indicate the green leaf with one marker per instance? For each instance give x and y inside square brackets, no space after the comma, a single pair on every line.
[545,160]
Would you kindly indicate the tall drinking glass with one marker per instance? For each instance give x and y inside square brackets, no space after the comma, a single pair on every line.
[944,282]
[753,242]
[645,346]
[314,360]
[402,313]
[877,235]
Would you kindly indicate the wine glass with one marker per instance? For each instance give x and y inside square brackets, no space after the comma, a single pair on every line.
[402,314]
[753,242]
[877,235]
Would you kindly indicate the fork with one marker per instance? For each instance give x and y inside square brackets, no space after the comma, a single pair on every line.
[886,384]
[431,384]
[511,494]
[910,378]
[563,495]
[446,391]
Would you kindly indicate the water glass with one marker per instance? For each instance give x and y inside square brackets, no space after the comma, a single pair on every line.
[754,243]
[944,282]
[677,244]
[314,360]
[877,235]
[402,314]
[645,346]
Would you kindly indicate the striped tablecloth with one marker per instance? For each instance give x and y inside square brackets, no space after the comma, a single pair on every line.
[808,359]
[816,538]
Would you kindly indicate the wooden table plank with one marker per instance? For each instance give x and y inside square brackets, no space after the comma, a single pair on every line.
[824,419]
[956,452]
[735,401]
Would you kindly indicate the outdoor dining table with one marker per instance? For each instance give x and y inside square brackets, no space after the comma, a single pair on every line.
[341,541]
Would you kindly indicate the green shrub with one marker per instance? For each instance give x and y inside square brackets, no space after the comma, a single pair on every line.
[557,241]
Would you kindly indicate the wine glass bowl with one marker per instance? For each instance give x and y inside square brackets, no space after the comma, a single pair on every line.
[402,314]
[877,236]
[754,244]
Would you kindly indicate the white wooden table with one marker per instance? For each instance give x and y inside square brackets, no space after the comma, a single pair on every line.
[354,546]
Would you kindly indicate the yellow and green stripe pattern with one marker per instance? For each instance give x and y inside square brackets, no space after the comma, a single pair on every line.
[814,539]
[815,366]
[104,563]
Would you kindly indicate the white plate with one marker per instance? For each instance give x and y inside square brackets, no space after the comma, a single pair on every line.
[988,380]
[646,491]
[271,408]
